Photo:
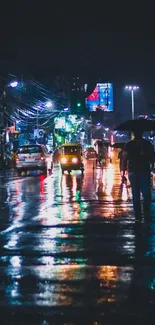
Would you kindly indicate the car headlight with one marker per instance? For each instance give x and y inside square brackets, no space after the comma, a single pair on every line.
[63,160]
[74,160]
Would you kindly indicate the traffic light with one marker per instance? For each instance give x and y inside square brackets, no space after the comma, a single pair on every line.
[79,104]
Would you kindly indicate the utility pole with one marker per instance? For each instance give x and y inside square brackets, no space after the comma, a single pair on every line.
[37,119]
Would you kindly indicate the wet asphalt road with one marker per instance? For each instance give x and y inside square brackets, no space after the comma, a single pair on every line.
[70,252]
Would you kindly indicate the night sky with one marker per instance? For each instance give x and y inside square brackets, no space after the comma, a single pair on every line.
[113,42]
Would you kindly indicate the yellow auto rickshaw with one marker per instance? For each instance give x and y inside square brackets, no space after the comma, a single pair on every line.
[71,157]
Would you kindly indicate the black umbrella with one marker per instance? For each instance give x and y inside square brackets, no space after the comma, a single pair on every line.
[118,145]
[136,125]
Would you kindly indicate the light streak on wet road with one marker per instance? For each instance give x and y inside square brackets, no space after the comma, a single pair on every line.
[70,249]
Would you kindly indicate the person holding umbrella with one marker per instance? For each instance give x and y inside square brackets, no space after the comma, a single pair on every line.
[137,158]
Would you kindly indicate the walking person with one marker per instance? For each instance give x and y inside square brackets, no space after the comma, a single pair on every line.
[137,158]
[56,155]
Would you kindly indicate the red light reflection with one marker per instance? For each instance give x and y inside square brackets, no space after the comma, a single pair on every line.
[42,187]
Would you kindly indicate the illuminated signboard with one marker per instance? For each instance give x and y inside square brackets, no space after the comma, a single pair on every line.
[72,118]
[64,124]
[60,122]
[101,98]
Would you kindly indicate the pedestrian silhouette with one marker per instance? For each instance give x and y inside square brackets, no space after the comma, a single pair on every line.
[137,157]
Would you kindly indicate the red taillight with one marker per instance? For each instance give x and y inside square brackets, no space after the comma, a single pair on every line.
[17,159]
[42,157]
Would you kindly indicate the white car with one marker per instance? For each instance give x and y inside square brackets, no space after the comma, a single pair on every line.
[33,157]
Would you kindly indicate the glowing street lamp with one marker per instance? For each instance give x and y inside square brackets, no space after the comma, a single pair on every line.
[49,104]
[132,89]
[13,84]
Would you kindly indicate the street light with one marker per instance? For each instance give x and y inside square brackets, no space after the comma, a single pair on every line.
[13,84]
[132,89]
[49,104]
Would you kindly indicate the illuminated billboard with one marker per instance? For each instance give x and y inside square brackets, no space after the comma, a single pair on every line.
[101,98]
[65,124]
[60,122]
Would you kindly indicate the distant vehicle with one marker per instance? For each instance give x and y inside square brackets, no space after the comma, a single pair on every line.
[90,153]
[71,157]
[33,157]
[104,152]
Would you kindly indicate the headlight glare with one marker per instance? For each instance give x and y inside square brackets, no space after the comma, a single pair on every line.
[63,160]
[74,160]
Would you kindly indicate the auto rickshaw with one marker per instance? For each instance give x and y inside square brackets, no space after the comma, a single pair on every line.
[71,157]
[103,153]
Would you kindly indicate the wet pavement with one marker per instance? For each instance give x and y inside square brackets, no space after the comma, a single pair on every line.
[70,252]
